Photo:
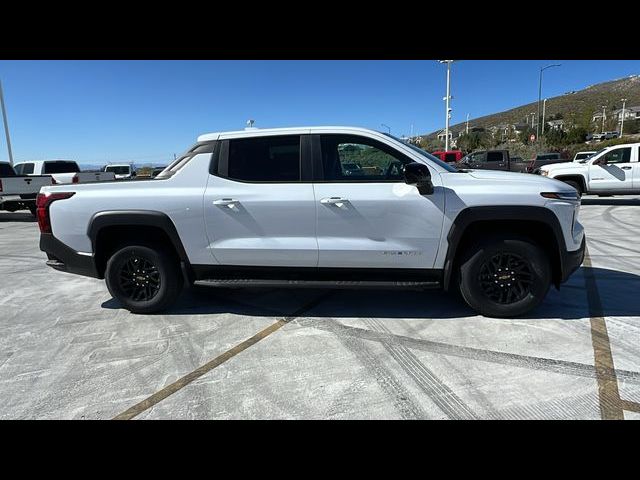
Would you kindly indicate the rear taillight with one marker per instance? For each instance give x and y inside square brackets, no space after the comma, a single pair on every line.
[75,179]
[43,201]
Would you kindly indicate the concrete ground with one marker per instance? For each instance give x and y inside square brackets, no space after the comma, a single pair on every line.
[67,350]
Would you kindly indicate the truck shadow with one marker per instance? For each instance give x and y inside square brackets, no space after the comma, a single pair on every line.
[611,201]
[618,292]
[16,217]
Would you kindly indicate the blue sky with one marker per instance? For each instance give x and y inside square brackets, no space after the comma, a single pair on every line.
[145,111]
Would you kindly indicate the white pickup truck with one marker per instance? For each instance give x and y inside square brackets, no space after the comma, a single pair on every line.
[18,192]
[62,171]
[279,207]
[613,170]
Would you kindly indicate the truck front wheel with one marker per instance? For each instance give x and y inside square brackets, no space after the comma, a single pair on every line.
[145,279]
[575,185]
[503,277]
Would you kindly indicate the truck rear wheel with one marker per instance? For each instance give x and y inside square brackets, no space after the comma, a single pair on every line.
[504,277]
[145,279]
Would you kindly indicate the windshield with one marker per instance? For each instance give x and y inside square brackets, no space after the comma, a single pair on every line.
[591,157]
[446,166]
[118,170]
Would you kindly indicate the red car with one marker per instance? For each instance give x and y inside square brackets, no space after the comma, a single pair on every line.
[450,156]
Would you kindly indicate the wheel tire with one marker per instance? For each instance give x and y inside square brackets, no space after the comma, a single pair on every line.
[160,278]
[575,185]
[532,277]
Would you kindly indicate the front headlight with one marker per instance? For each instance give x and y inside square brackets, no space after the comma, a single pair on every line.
[544,173]
[573,196]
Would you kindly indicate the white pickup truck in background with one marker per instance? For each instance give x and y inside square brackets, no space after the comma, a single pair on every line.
[613,170]
[18,192]
[62,171]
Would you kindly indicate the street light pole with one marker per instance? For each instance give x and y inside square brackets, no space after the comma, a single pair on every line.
[544,108]
[447,99]
[604,116]
[387,127]
[540,94]
[6,125]
[624,101]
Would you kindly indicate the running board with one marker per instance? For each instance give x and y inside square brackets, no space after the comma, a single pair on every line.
[259,282]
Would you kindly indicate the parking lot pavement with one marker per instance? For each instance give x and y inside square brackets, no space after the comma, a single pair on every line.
[67,350]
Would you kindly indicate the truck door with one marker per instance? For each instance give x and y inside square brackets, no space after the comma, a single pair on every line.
[259,210]
[496,161]
[617,174]
[372,219]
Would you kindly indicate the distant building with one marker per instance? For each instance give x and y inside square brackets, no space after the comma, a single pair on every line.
[630,113]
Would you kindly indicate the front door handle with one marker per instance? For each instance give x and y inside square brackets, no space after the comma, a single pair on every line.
[626,168]
[333,200]
[225,202]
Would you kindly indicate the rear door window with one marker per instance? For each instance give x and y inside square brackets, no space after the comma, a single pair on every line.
[60,167]
[264,159]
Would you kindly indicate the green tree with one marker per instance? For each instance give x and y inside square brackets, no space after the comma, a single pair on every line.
[576,135]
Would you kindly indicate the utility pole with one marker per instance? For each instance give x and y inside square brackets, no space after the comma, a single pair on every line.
[540,94]
[447,99]
[467,130]
[624,101]
[6,125]
[604,116]
[544,108]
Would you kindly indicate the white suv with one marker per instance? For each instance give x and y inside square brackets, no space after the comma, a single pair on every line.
[286,207]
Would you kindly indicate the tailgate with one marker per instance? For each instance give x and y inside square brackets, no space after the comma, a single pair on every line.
[87,177]
[24,185]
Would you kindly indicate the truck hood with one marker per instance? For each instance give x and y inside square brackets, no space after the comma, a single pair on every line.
[503,182]
[573,167]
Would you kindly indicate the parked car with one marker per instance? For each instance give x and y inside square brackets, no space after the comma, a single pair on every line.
[62,171]
[580,157]
[544,159]
[492,160]
[610,135]
[274,207]
[18,192]
[450,156]
[122,171]
[613,170]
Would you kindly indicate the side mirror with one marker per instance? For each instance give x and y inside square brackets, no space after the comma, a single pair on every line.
[601,161]
[418,175]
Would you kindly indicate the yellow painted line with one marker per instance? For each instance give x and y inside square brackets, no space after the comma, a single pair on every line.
[182,382]
[611,405]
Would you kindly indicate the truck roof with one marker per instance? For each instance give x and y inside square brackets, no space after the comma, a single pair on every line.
[258,132]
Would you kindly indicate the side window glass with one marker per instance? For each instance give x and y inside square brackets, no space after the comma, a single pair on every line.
[619,155]
[265,159]
[352,158]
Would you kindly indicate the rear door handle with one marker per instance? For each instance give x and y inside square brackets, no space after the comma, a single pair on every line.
[225,202]
[626,168]
[333,200]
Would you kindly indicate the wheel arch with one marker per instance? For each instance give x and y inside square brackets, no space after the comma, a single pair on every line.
[538,223]
[576,178]
[108,229]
